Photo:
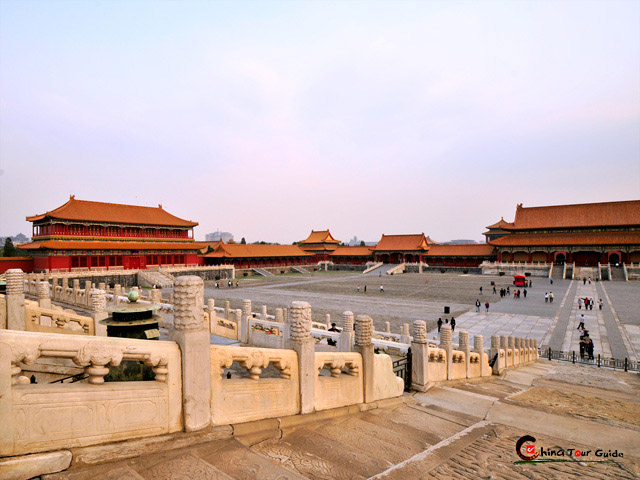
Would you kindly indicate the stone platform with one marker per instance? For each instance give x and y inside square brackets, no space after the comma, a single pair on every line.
[458,430]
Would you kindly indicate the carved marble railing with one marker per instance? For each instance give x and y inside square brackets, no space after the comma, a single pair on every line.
[339,379]
[44,320]
[81,414]
[242,399]
[267,333]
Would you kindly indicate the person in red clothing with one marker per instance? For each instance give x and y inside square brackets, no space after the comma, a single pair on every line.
[486,307]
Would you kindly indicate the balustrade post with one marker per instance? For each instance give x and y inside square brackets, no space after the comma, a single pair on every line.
[211,307]
[463,346]
[98,309]
[42,290]
[244,324]
[363,345]
[496,350]
[15,299]
[304,345]
[445,344]
[478,347]
[346,335]
[512,346]
[192,335]
[419,357]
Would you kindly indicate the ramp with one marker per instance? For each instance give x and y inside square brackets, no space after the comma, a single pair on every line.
[300,270]
[263,272]
[381,269]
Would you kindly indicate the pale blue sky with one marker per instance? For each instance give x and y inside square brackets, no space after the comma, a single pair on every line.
[268,119]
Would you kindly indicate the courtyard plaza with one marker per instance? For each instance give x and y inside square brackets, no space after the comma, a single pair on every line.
[457,430]
[615,330]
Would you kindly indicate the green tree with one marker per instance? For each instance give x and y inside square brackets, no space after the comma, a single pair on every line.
[362,243]
[9,250]
[243,241]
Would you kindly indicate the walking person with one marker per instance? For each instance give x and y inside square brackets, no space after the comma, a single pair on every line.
[589,347]
[546,297]
[550,297]
[579,304]
[480,290]
[453,324]
[365,289]
[494,289]
[581,324]
[477,305]
[381,289]
[600,304]
[486,307]
[524,292]
[439,324]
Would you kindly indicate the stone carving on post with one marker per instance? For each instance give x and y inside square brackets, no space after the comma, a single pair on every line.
[347,334]
[463,346]
[42,291]
[304,345]
[98,310]
[244,324]
[445,344]
[263,313]
[192,335]
[363,345]
[15,299]
[496,354]
[535,349]
[478,347]
[420,358]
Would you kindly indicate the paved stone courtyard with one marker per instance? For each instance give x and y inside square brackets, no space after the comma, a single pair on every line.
[615,330]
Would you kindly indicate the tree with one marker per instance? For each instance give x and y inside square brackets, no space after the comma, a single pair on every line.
[243,241]
[362,243]
[9,250]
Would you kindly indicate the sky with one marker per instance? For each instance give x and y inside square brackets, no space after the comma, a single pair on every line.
[271,118]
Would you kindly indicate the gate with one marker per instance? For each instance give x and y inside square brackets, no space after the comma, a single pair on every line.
[402,369]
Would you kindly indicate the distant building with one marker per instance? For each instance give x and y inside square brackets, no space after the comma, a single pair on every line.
[320,243]
[217,236]
[461,241]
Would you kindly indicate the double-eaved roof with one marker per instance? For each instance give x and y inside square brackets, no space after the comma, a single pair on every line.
[100,212]
[584,215]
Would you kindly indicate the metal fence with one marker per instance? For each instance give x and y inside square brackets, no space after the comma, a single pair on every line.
[596,361]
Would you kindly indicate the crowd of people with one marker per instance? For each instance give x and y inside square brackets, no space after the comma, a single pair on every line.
[230,284]
[446,322]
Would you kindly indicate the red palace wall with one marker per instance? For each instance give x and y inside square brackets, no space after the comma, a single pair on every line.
[23,263]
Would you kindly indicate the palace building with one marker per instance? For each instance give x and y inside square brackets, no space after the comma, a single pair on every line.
[584,234]
[87,235]
[401,248]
